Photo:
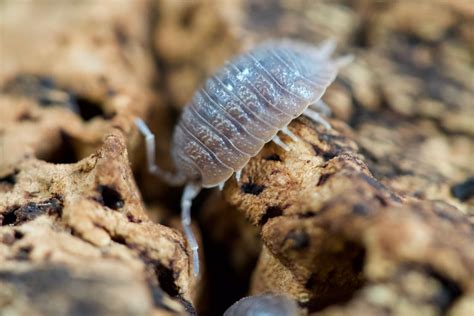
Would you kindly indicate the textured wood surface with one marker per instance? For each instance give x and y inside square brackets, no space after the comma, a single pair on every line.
[374,216]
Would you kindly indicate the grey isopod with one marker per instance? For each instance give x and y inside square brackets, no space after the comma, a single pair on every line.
[263,305]
[239,109]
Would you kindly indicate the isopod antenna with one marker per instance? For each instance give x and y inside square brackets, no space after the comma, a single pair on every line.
[170,178]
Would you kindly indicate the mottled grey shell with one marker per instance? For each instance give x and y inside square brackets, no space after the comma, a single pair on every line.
[263,305]
[244,105]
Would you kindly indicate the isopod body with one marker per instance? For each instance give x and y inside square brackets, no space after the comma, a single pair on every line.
[244,105]
[263,305]
[239,109]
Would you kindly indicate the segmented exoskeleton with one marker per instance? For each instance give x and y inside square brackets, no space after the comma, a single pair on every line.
[239,109]
[264,304]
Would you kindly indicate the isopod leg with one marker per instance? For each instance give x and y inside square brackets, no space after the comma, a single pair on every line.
[171,179]
[149,143]
[321,107]
[285,130]
[221,185]
[327,48]
[316,118]
[189,193]
[238,173]
[343,61]
[280,143]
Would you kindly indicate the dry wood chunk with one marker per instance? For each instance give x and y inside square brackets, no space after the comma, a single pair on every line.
[331,231]
[85,221]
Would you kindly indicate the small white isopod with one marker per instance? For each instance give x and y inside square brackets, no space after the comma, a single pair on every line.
[239,109]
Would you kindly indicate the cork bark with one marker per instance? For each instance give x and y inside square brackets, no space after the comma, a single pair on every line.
[373,216]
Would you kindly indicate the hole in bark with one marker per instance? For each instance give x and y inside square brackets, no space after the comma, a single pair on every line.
[119,239]
[64,153]
[88,109]
[109,197]
[323,178]
[48,93]
[273,157]
[317,151]
[252,188]
[17,215]
[9,178]
[8,182]
[166,280]
[382,200]
[330,154]
[271,212]
[18,234]
[308,214]
[463,191]
[358,261]
[361,37]
[9,218]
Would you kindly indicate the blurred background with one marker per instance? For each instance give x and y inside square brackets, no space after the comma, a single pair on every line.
[71,71]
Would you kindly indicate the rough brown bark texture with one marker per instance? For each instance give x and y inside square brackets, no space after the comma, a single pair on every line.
[75,237]
[372,217]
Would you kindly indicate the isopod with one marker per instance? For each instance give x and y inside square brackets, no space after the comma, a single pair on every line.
[239,109]
[263,305]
